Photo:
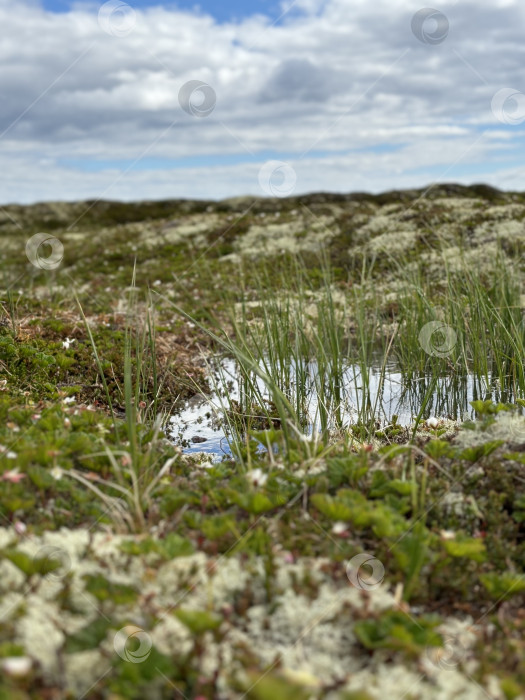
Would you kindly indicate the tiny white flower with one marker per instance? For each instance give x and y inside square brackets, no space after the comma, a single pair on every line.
[11,455]
[16,665]
[447,535]
[68,399]
[339,527]
[432,422]
[67,342]
[20,527]
[56,473]
[257,477]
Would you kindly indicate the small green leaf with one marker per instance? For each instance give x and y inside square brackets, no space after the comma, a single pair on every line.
[32,565]
[503,586]
[198,621]
[40,477]
[257,502]
[347,470]
[471,548]
[260,503]
[21,560]
[411,553]
[488,407]
[381,485]
[269,686]
[172,501]
[218,526]
[438,448]
[396,630]
[89,637]
[99,586]
[472,454]
[173,545]
[11,649]
[331,508]
[14,503]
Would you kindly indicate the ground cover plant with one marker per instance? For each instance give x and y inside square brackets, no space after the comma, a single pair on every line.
[336,549]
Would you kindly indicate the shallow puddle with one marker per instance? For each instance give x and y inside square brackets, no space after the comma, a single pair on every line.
[199,426]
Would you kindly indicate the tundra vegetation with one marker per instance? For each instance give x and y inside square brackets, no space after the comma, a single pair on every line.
[353,555]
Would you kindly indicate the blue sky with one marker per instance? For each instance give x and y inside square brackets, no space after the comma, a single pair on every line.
[221,10]
[338,95]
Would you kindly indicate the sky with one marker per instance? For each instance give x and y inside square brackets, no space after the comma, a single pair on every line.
[220,10]
[209,100]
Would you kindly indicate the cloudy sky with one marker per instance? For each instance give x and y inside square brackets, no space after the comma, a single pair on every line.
[151,99]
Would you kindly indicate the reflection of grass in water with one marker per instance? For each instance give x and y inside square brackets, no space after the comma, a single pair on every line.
[288,318]
[400,403]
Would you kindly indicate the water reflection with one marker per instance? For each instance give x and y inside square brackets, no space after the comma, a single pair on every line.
[377,394]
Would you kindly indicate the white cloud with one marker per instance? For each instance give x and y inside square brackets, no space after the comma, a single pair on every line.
[312,89]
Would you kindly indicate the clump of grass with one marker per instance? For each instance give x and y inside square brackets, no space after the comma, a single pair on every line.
[136,470]
[479,326]
[295,336]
